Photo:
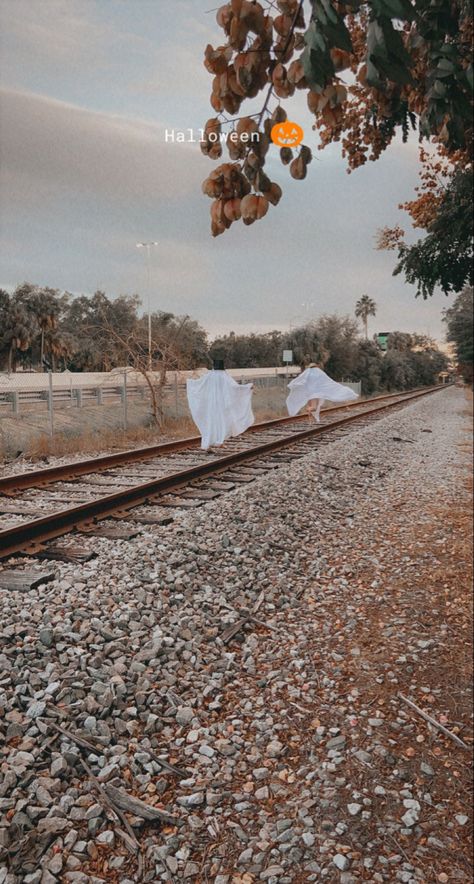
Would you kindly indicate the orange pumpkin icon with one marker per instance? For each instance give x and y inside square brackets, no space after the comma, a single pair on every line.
[287,134]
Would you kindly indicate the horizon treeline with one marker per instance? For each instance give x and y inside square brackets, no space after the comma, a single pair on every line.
[45,329]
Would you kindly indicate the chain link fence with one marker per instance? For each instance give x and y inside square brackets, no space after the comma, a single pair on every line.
[44,406]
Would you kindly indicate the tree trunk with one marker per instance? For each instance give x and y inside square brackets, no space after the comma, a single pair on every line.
[366,326]
[42,349]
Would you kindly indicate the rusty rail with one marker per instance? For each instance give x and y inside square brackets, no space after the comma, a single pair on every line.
[64,472]
[26,536]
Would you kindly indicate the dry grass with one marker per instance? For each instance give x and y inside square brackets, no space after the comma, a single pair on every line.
[91,442]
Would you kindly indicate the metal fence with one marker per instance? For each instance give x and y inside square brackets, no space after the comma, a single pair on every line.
[75,403]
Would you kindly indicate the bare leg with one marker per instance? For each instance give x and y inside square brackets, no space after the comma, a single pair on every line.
[311,407]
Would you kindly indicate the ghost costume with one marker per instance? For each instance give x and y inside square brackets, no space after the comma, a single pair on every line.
[219,406]
[315,384]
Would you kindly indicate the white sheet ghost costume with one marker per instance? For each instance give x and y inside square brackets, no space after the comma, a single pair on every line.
[314,383]
[219,406]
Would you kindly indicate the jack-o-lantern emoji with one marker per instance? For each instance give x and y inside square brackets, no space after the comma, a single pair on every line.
[287,134]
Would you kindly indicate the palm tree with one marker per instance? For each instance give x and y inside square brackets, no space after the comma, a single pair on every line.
[46,307]
[364,308]
[18,332]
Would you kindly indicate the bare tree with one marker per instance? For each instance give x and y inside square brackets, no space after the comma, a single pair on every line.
[166,356]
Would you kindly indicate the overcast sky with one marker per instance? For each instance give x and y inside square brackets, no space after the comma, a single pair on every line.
[88,89]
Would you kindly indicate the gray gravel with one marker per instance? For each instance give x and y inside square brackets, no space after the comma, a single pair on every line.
[292,768]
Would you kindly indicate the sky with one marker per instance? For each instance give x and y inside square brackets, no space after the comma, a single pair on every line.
[88,90]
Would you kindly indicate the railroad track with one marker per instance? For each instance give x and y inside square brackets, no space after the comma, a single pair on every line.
[155,481]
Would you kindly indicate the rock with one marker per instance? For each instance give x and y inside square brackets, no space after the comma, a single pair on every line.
[36,709]
[461,818]
[341,862]
[46,637]
[184,715]
[271,872]
[194,800]
[308,839]
[107,838]
[354,809]
[274,749]
[336,742]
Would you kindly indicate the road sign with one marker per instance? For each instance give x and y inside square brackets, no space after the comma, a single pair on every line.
[287,355]
[382,340]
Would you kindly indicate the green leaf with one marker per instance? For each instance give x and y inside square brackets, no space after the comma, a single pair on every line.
[401,9]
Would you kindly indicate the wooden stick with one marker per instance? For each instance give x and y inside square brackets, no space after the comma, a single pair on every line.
[435,723]
[78,740]
[134,805]
[111,805]
[165,765]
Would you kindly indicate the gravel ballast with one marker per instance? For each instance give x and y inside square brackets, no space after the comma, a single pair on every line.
[285,754]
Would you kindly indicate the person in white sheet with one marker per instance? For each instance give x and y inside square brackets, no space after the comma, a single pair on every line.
[312,387]
[219,405]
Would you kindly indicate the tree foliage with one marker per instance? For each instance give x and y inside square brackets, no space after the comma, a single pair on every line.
[370,70]
[459,320]
[334,342]
[44,328]
[444,257]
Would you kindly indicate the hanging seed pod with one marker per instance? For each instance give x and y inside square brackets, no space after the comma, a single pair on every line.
[235,147]
[274,194]
[313,100]
[224,16]
[212,187]
[279,115]
[249,207]
[298,168]
[340,59]
[246,125]
[232,209]
[296,74]
[286,155]
[283,88]
[216,60]
[262,207]
[282,24]
[262,182]
[305,152]
[219,223]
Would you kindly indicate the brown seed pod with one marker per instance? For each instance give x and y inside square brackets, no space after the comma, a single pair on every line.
[286,155]
[340,59]
[216,60]
[296,74]
[224,16]
[274,194]
[262,206]
[283,88]
[305,152]
[279,115]
[282,24]
[232,209]
[248,207]
[262,182]
[212,187]
[246,125]
[298,168]
[313,101]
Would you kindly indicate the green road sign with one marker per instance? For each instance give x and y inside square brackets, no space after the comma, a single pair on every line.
[382,340]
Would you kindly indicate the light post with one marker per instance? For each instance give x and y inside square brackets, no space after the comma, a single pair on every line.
[148,246]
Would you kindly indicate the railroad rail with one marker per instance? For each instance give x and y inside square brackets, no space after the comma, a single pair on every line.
[200,476]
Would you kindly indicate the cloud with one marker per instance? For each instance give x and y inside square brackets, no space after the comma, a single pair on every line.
[52,150]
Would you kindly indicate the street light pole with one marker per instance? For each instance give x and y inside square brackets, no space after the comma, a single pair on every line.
[148,247]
